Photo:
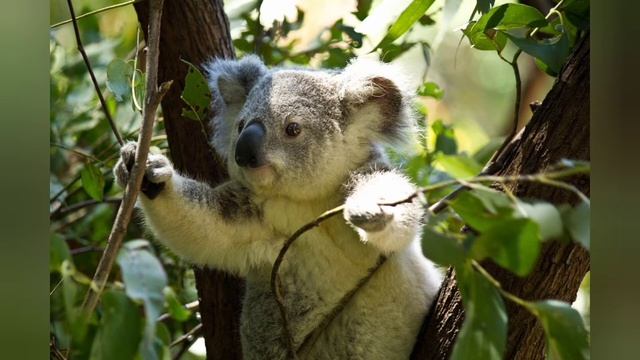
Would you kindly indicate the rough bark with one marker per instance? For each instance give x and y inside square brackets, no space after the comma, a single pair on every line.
[559,129]
[197,31]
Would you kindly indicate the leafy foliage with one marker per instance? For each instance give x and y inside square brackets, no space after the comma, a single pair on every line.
[142,310]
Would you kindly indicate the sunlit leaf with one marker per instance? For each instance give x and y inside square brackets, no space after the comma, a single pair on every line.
[513,244]
[459,166]
[431,89]
[484,331]
[119,78]
[481,39]
[577,220]
[144,280]
[567,337]
[511,16]
[407,18]
[547,217]
[482,209]
[196,94]
[92,181]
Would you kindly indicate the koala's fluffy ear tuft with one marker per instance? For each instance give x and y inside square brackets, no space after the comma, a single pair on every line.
[232,80]
[378,97]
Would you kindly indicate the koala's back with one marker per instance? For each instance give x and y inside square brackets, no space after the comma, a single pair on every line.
[381,320]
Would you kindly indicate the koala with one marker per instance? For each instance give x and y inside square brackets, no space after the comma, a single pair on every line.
[296,143]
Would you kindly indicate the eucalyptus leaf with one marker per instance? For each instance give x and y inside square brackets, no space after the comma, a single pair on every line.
[120,328]
[58,252]
[513,244]
[547,217]
[176,309]
[459,166]
[511,16]
[482,209]
[92,181]
[407,18]
[484,331]
[567,337]
[551,54]
[578,223]
[196,94]
[144,280]
[442,249]
[431,89]
[119,79]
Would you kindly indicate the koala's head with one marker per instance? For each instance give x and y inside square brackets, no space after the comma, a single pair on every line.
[297,132]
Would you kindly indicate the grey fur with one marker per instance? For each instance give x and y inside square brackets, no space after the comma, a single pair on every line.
[345,117]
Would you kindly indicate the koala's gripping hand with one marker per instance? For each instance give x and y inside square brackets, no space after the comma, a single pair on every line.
[158,170]
[366,214]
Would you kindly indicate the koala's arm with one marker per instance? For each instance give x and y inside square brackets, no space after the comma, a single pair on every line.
[389,228]
[219,227]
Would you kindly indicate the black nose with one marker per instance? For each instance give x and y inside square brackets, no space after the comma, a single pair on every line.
[249,146]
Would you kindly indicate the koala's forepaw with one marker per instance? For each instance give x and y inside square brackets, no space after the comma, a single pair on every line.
[367,215]
[158,170]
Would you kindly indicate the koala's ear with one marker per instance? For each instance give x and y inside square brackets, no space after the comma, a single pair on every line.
[376,96]
[233,79]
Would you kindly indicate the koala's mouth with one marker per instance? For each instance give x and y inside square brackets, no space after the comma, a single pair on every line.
[262,176]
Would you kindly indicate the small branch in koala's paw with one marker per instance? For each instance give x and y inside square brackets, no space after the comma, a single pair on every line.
[152,101]
[275,281]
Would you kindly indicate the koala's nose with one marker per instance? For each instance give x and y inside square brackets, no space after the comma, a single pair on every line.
[249,146]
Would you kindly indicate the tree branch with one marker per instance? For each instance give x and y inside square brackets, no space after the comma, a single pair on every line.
[152,101]
[92,75]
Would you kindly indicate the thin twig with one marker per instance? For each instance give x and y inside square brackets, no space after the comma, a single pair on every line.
[193,332]
[153,97]
[64,211]
[194,305]
[103,103]
[275,281]
[106,8]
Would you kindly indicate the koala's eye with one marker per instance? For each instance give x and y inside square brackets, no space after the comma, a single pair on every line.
[293,129]
[240,126]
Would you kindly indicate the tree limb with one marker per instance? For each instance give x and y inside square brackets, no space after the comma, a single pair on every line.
[152,101]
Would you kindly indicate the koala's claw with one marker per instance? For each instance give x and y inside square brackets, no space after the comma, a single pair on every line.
[369,217]
[158,170]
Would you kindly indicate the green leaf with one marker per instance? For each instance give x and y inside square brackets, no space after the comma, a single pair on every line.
[363,8]
[567,337]
[547,217]
[484,40]
[196,94]
[482,209]
[484,332]
[445,138]
[550,54]
[511,16]
[92,181]
[73,295]
[176,309]
[459,166]
[407,18]
[442,249]
[431,89]
[391,51]
[119,78]
[484,5]
[144,280]
[513,244]
[120,330]
[58,252]
[577,221]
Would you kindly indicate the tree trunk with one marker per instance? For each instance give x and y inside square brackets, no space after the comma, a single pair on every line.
[559,129]
[197,31]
